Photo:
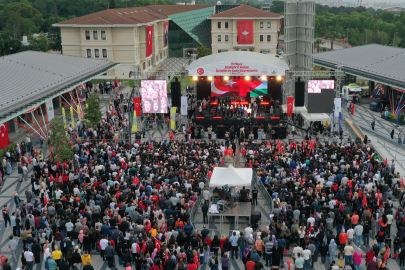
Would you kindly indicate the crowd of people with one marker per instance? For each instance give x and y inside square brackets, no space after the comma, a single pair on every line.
[132,204]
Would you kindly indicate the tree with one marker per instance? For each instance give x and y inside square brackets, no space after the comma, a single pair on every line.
[92,111]
[332,34]
[22,19]
[59,142]
[41,44]
[203,51]
[317,43]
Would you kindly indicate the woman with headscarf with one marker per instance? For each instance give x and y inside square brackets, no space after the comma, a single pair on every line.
[373,265]
[36,249]
[357,256]
[245,257]
[276,256]
[369,256]
[332,249]
[289,265]
[323,249]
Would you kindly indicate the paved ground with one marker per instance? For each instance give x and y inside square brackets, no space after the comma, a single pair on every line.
[11,184]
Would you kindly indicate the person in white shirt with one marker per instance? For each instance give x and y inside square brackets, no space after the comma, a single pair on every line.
[306,255]
[350,235]
[29,257]
[248,231]
[206,195]
[237,232]
[311,220]
[297,250]
[103,245]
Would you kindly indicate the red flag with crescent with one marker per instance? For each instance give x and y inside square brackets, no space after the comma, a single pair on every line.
[149,35]
[341,207]
[137,106]
[225,152]
[245,30]
[290,106]
[209,174]
[360,193]
[386,162]
[350,184]
[364,201]
[401,181]
[222,162]
[135,180]
[379,195]
[230,152]
[244,151]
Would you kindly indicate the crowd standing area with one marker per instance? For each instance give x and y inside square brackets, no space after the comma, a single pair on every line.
[131,205]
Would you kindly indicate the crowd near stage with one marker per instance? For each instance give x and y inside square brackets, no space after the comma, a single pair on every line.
[239,90]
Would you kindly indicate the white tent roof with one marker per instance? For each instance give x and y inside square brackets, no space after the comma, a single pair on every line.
[311,117]
[238,63]
[233,177]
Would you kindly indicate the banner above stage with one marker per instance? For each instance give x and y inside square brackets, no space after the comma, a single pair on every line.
[238,63]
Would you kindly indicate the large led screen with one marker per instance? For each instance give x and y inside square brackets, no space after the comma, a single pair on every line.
[315,86]
[154,96]
[238,86]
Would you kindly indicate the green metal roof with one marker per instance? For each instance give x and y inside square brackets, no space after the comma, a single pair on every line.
[196,24]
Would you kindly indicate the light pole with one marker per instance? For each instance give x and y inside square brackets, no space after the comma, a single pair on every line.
[135,72]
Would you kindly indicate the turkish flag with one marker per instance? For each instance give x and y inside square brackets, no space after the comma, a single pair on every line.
[352,109]
[364,201]
[166,36]
[137,106]
[290,105]
[149,34]
[235,86]
[135,180]
[401,181]
[245,31]
[4,140]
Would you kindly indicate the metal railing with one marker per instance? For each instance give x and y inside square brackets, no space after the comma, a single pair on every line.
[263,190]
[194,212]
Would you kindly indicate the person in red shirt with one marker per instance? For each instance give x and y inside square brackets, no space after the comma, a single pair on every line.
[192,266]
[250,265]
[343,237]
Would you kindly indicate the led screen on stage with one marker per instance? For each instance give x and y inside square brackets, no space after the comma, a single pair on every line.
[315,86]
[238,86]
[154,96]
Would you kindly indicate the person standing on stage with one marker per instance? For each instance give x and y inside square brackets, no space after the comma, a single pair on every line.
[231,110]
[271,111]
[255,107]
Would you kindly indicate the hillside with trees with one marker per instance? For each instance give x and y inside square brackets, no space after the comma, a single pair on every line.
[27,17]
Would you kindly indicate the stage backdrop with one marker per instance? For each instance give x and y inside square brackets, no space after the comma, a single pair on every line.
[154,96]
[238,86]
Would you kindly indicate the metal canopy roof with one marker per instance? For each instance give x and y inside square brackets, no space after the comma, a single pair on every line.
[375,62]
[28,79]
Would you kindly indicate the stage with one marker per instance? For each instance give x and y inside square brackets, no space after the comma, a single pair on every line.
[239,209]
[250,124]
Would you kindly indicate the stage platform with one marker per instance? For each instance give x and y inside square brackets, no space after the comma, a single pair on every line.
[250,124]
[239,209]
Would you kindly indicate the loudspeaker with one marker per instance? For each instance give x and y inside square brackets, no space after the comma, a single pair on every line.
[274,88]
[203,88]
[176,94]
[299,94]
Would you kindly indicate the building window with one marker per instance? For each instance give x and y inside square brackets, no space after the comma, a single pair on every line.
[219,25]
[95,35]
[137,51]
[222,50]
[268,38]
[261,25]
[265,51]
[157,58]
[88,53]
[226,25]
[136,34]
[261,38]
[226,38]
[164,54]
[268,24]
[144,65]
[219,38]
[87,35]
[148,63]
[96,53]
[161,56]
[104,53]
[103,35]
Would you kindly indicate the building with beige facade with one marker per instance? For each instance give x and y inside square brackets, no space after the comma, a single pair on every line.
[224,30]
[118,35]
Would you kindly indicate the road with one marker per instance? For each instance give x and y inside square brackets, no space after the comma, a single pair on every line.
[336,46]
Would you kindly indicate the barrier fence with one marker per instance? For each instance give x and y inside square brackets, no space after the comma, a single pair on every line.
[194,212]
[263,190]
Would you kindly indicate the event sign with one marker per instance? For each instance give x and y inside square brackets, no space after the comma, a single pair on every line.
[338,106]
[50,110]
[245,31]
[173,118]
[237,69]
[183,110]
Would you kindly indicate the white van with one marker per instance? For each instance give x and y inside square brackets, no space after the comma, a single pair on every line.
[350,91]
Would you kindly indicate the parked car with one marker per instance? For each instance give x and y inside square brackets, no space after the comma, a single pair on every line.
[375,105]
